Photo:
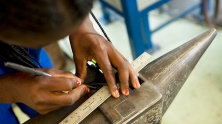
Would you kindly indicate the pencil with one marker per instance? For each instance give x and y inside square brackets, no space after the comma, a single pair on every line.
[26,69]
[32,71]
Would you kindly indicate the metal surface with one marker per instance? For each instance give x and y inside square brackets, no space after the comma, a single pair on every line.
[165,75]
[169,72]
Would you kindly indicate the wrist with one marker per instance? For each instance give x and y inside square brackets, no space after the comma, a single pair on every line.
[7,91]
[85,28]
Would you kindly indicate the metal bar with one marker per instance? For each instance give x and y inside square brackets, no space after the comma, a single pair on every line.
[146,32]
[154,6]
[133,24]
[178,16]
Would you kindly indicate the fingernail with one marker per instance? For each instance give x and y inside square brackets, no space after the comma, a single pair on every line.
[86,90]
[78,83]
[126,92]
[137,83]
[117,93]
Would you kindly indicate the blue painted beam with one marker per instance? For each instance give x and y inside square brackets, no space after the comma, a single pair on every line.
[133,24]
[154,6]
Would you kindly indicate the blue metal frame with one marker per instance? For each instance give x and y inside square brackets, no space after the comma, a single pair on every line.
[133,24]
[137,23]
[178,16]
[145,21]
[154,6]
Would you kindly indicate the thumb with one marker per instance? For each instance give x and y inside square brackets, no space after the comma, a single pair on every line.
[80,68]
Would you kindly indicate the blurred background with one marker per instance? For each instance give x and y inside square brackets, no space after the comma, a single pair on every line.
[158,26]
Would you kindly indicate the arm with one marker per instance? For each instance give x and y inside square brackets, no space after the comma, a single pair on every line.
[86,44]
[41,92]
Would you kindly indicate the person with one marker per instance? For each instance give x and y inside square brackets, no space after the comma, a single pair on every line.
[26,26]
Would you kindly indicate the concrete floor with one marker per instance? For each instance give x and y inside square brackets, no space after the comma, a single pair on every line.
[200,99]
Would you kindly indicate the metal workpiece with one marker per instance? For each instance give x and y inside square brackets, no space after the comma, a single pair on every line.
[169,72]
[160,80]
[128,108]
[165,75]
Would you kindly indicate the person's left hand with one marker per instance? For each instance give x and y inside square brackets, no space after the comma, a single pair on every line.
[87,44]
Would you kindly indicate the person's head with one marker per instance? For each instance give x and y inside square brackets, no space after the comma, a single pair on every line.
[34,23]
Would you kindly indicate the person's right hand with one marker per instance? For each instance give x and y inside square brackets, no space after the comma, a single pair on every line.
[42,93]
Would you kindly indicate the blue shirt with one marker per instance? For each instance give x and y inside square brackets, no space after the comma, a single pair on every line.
[7,115]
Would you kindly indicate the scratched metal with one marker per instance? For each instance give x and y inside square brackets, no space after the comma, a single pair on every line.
[169,72]
[152,116]
[137,102]
[165,76]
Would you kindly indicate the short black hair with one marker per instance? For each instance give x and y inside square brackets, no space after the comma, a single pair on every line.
[40,16]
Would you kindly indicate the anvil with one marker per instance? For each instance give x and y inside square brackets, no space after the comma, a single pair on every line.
[160,80]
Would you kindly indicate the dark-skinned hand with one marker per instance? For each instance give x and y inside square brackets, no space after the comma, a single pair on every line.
[87,44]
[42,93]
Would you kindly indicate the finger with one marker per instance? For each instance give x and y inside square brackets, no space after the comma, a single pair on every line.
[105,65]
[122,66]
[71,97]
[132,74]
[58,73]
[80,67]
[63,74]
[60,84]
[124,80]
[134,78]
[47,110]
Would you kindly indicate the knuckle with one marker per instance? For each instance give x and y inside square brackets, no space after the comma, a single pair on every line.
[72,83]
[70,74]
[98,47]
[50,71]
[101,45]
[109,70]
[124,65]
[70,101]
[125,60]
[125,83]
[69,83]
[40,109]
[43,112]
